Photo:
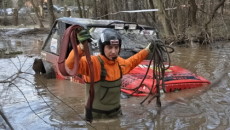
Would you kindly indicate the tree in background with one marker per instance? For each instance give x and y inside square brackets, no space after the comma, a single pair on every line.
[176,20]
[79,8]
[164,18]
[51,12]
[39,17]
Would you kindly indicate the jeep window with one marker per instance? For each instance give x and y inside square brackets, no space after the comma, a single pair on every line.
[52,44]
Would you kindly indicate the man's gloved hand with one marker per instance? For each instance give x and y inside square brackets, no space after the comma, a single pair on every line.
[149,47]
[83,35]
[153,44]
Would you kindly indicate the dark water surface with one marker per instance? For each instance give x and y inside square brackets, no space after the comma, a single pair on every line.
[34,102]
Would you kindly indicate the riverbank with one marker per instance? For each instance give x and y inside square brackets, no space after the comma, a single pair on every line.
[13,31]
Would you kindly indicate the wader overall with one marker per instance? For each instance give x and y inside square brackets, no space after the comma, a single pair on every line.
[107,95]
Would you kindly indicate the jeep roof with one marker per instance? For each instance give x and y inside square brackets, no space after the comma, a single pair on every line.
[134,36]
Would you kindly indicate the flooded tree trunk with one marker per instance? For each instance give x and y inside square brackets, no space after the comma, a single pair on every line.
[135,7]
[6,120]
[95,11]
[214,12]
[180,18]
[104,6]
[205,35]
[83,8]
[164,19]
[36,13]
[15,12]
[148,18]
[126,7]
[116,8]
[51,12]
[41,8]
[193,12]
[79,9]
[65,11]
[151,4]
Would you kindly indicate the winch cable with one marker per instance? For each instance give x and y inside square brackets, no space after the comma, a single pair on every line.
[158,75]
[163,51]
[135,90]
[70,37]
[157,60]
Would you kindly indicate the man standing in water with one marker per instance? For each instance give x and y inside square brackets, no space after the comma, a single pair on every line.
[108,69]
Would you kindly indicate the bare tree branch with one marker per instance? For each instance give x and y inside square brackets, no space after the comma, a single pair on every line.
[213,14]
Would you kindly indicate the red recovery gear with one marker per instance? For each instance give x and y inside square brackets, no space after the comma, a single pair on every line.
[70,37]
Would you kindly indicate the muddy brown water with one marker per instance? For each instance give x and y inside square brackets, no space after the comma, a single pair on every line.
[34,102]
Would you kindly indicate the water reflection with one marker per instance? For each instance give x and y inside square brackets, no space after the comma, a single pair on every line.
[29,47]
[39,103]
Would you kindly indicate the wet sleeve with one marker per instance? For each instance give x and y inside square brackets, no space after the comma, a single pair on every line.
[70,59]
[133,61]
[83,65]
[84,69]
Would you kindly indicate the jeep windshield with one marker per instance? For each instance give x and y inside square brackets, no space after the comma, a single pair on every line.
[132,39]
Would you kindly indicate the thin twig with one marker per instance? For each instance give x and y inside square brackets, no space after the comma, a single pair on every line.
[47,88]
[42,98]
[6,120]
[29,103]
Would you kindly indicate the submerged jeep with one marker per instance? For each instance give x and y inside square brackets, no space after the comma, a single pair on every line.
[134,38]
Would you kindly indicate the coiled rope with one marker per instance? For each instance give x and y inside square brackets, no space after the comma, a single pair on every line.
[158,61]
[159,57]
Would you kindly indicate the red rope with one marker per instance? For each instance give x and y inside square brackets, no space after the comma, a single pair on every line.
[70,37]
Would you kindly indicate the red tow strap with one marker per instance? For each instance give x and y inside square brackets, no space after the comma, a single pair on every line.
[70,37]
[89,105]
